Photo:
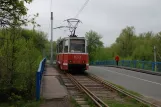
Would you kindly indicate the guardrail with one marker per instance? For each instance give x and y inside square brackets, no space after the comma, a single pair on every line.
[146,65]
[39,74]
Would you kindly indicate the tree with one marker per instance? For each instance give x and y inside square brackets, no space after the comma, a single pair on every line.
[11,12]
[129,46]
[157,43]
[48,49]
[126,41]
[94,43]
[20,51]
[18,76]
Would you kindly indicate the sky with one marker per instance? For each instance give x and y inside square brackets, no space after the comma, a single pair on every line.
[107,17]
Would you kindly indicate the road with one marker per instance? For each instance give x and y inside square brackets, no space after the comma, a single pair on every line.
[145,84]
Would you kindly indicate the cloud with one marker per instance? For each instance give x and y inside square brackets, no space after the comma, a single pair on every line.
[107,17]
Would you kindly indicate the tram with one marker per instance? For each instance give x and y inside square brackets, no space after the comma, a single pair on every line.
[72,54]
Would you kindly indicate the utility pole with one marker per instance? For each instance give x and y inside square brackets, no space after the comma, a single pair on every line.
[51,58]
[123,50]
[155,60]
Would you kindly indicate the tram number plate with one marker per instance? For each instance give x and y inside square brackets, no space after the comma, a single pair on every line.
[77,57]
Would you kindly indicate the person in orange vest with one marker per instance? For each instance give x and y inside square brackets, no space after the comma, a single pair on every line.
[117,59]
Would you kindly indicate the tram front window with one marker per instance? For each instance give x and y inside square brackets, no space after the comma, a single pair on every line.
[77,46]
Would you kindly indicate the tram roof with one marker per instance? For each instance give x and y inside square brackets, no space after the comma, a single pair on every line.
[74,37]
[71,38]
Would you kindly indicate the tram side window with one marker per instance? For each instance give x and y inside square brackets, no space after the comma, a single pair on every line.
[66,46]
[61,47]
[66,49]
[57,49]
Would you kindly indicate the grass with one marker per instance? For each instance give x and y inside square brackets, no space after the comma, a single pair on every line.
[22,104]
[132,92]
[74,103]
[114,103]
[127,102]
[89,101]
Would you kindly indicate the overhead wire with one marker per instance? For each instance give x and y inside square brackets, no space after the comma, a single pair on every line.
[81,9]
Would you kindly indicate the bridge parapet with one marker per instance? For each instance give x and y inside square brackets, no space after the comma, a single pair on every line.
[39,74]
[146,65]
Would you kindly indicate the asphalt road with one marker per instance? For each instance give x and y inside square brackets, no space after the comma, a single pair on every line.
[145,84]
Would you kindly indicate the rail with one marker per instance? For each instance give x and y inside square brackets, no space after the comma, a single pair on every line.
[39,74]
[96,100]
[146,65]
[108,84]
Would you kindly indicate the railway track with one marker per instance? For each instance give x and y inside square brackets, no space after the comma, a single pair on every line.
[99,91]
[76,91]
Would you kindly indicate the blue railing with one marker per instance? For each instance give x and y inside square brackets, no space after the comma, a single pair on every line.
[147,65]
[39,74]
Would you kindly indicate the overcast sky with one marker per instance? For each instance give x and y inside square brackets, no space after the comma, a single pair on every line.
[107,17]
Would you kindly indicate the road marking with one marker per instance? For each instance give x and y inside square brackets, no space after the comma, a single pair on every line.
[131,76]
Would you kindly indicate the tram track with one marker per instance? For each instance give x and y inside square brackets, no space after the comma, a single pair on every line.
[98,90]
[126,93]
[96,100]
[76,91]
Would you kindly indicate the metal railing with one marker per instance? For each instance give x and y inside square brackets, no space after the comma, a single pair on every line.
[39,74]
[146,65]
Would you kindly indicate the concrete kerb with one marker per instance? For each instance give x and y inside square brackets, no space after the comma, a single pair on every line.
[134,69]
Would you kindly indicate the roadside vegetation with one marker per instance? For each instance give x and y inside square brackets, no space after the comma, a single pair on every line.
[129,46]
[21,51]
[22,104]
[89,101]
[132,92]
[74,102]
[126,102]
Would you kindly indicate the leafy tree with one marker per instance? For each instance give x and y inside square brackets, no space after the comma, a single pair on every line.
[20,51]
[129,46]
[48,50]
[11,12]
[103,54]
[94,43]
[125,41]
[18,76]
[157,43]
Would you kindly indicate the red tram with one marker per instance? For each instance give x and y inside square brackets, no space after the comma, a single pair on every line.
[72,54]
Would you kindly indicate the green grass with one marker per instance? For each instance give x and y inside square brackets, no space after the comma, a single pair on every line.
[127,102]
[89,101]
[22,104]
[74,103]
[114,103]
[132,92]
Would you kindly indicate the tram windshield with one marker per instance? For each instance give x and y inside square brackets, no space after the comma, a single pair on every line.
[77,46]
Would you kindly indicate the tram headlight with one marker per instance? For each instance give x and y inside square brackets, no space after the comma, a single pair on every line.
[70,61]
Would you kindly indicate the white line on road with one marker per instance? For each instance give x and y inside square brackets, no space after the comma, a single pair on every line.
[131,76]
